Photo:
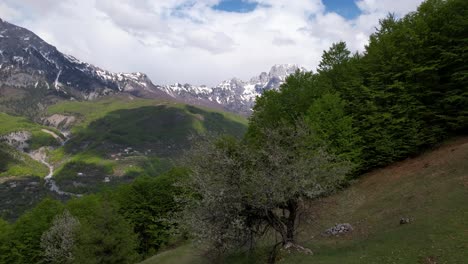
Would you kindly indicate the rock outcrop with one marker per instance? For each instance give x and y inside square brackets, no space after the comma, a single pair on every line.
[18,140]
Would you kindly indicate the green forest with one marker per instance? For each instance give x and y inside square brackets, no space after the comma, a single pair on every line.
[240,199]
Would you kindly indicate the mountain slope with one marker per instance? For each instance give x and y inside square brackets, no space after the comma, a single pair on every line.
[431,190]
[28,61]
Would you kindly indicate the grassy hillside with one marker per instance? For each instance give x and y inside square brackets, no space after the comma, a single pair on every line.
[139,122]
[431,190]
[11,123]
[93,110]
[14,163]
[124,137]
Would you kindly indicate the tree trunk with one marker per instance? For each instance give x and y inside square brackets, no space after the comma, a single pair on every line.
[292,207]
[286,227]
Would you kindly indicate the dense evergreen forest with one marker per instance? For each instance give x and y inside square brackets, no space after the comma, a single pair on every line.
[406,92]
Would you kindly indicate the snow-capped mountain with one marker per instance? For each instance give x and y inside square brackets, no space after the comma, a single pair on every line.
[234,94]
[28,62]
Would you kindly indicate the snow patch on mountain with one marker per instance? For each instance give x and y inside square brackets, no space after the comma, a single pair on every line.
[235,95]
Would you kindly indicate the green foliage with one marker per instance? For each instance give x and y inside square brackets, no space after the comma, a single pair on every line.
[333,58]
[407,91]
[58,241]
[429,189]
[327,118]
[41,139]
[149,205]
[274,108]
[154,166]
[5,235]
[25,238]
[104,236]
[71,169]
[90,174]
[242,190]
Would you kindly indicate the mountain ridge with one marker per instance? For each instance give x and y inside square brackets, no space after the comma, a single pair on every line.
[28,61]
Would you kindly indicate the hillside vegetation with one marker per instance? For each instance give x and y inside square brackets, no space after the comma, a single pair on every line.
[431,190]
[405,92]
[128,137]
[140,122]
[15,163]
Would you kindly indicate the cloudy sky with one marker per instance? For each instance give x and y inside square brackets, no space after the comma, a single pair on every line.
[200,41]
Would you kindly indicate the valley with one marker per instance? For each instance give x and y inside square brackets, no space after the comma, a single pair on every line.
[361,160]
[105,143]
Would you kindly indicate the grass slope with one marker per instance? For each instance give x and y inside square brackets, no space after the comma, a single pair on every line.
[139,122]
[431,189]
[156,132]
[9,123]
[14,163]
[96,109]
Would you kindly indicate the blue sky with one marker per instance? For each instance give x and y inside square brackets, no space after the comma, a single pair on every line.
[345,8]
[240,6]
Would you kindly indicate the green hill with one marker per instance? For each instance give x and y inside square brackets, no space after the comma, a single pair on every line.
[431,190]
[141,123]
[124,137]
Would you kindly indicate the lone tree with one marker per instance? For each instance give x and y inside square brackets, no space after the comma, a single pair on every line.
[58,242]
[242,191]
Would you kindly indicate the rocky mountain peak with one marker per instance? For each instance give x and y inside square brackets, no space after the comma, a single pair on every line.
[235,94]
[281,71]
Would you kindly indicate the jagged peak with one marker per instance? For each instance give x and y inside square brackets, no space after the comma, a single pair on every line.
[285,65]
[284,69]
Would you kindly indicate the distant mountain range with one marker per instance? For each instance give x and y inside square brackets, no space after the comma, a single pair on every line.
[28,62]
[235,95]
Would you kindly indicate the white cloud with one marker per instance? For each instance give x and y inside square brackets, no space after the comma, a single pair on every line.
[280,41]
[400,8]
[188,41]
[8,13]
